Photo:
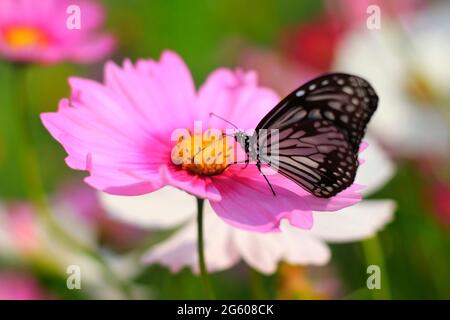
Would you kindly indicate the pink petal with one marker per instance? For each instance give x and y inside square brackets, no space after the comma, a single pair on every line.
[170,85]
[120,161]
[345,198]
[236,97]
[248,203]
[17,286]
[196,185]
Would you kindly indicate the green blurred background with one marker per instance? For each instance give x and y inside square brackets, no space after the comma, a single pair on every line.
[416,246]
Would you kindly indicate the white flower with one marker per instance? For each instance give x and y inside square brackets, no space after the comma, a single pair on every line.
[225,246]
[407,63]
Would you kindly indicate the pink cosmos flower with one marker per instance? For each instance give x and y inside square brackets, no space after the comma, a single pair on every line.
[20,226]
[19,286]
[36,31]
[120,132]
[226,246]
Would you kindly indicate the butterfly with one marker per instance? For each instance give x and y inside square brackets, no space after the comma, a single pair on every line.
[319,129]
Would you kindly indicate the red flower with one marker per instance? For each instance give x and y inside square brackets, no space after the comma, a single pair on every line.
[441,201]
[313,44]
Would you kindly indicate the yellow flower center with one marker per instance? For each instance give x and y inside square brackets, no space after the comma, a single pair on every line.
[22,37]
[206,154]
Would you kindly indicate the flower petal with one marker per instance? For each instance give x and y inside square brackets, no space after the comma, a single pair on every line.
[261,251]
[248,203]
[198,186]
[377,168]
[303,248]
[120,161]
[170,85]
[225,246]
[423,129]
[361,221]
[180,250]
[236,97]
[165,208]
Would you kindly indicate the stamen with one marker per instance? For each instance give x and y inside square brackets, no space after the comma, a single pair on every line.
[20,37]
[211,157]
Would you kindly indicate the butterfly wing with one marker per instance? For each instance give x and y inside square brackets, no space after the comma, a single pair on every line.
[320,127]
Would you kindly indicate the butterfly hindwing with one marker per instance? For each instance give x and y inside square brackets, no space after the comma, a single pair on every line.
[320,127]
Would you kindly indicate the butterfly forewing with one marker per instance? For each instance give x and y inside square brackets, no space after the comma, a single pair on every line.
[320,127]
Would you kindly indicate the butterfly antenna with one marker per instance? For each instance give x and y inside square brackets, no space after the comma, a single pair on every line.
[223,119]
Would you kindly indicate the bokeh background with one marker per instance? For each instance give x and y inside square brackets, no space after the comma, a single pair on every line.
[287,42]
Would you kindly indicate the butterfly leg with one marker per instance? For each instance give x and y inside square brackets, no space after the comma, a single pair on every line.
[247,161]
[265,178]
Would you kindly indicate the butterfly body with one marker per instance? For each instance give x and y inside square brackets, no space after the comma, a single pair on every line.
[312,136]
[251,150]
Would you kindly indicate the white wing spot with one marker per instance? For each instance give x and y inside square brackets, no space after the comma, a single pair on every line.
[344,118]
[300,93]
[350,108]
[348,90]
[329,115]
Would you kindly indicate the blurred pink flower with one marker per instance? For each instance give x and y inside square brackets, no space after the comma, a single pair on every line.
[36,31]
[121,133]
[78,204]
[25,238]
[22,225]
[18,286]
[80,200]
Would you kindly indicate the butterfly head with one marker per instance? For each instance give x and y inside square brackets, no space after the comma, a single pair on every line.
[243,139]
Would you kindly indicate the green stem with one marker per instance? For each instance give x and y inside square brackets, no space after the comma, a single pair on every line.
[32,180]
[201,253]
[256,285]
[373,252]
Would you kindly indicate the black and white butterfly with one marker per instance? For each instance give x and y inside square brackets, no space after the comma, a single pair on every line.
[320,127]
